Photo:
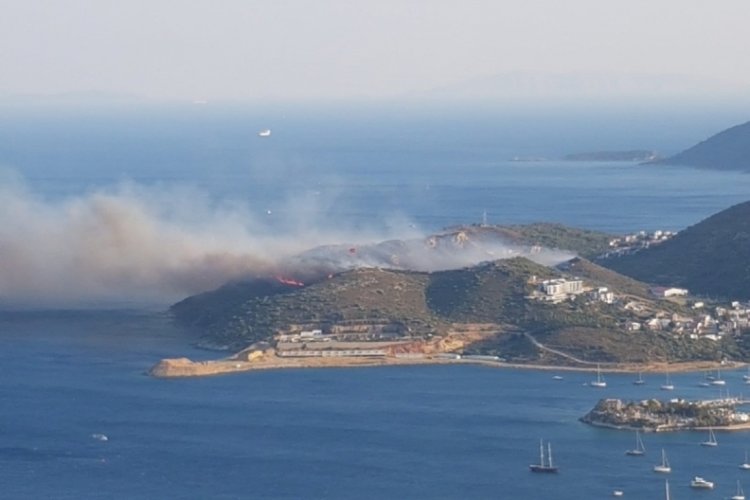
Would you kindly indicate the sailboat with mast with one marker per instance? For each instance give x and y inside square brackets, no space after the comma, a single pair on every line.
[746,464]
[639,449]
[718,380]
[667,385]
[740,495]
[664,466]
[544,466]
[711,439]
[599,382]
[640,380]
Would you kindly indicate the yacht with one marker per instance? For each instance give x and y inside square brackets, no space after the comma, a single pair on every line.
[663,467]
[718,380]
[711,439]
[542,466]
[618,493]
[701,484]
[639,449]
[639,380]
[746,376]
[666,490]
[599,382]
[557,377]
[667,385]
[746,464]
[740,495]
[265,133]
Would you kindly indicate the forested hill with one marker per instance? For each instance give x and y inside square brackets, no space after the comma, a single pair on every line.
[727,150]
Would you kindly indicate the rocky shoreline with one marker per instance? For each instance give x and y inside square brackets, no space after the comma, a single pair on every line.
[653,415]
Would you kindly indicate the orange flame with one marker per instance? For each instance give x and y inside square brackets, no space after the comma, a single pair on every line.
[289,281]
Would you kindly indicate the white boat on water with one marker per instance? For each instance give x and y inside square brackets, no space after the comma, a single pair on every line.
[557,377]
[701,484]
[544,465]
[617,493]
[746,376]
[740,495]
[666,490]
[711,439]
[599,382]
[639,449]
[667,385]
[265,133]
[746,464]
[639,380]
[718,380]
[663,467]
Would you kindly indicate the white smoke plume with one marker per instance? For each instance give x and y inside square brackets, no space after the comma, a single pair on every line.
[132,244]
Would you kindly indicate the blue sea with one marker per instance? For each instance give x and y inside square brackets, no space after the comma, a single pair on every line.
[459,431]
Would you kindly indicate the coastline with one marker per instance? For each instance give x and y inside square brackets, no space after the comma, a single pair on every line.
[184,367]
[725,428]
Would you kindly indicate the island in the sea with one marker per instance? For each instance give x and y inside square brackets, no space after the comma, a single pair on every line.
[636,155]
[652,415]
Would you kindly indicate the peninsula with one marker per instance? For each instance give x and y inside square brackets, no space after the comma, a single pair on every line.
[727,150]
[532,304]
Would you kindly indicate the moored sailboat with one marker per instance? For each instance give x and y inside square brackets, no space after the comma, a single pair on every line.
[718,380]
[667,385]
[544,466]
[599,382]
[740,495]
[663,467]
[639,449]
[746,464]
[711,439]
[639,380]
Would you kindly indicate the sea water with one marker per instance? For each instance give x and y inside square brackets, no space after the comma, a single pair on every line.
[458,431]
[462,431]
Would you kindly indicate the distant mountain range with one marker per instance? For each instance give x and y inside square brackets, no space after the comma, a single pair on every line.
[710,258]
[582,86]
[727,150]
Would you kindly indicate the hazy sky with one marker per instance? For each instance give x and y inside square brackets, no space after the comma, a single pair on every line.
[298,49]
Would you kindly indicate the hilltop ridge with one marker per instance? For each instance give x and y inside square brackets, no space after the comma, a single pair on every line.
[726,150]
[709,258]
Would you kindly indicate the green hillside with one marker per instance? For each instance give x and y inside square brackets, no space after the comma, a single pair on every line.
[711,258]
[727,150]
[424,305]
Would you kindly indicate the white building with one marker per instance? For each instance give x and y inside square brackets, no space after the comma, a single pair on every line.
[561,287]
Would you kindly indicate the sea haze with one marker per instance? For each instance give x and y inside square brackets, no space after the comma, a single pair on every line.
[365,166]
[169,202]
